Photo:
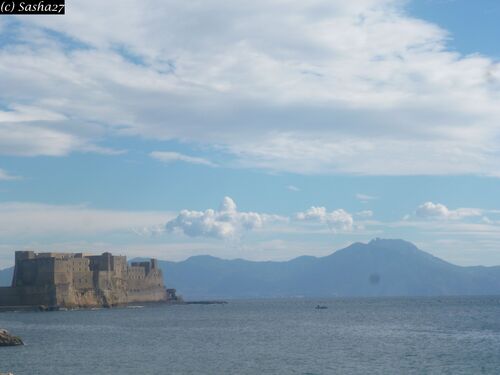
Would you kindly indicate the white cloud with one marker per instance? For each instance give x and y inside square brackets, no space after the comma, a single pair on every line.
[225,223]
[365,198]
[4,176]
[364,214]
[324,86]
[337,220]
[33,130]
[430,210]
[35,220]
[26,140]
[292,188]
[487,220]
[151,231]
[171,157]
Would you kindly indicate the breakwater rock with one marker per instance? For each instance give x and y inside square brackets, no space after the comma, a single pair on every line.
[6,339]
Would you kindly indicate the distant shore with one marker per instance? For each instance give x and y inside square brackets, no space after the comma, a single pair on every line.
[43,308]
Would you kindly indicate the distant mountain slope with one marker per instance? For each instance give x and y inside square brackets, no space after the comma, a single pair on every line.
[379,268]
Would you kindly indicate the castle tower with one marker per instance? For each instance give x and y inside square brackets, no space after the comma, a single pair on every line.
[154,264]
[20,255]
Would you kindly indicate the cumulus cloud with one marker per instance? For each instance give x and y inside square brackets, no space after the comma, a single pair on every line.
[171,157]
[224,223]
[430,210]
[323,86]
[337,220]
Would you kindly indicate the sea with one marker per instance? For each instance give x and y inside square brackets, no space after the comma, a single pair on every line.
[453,335]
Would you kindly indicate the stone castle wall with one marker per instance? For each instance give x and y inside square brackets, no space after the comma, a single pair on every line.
[28,296]
[144,284]
[77,280]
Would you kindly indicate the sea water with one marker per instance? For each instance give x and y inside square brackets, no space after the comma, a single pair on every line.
[353,336]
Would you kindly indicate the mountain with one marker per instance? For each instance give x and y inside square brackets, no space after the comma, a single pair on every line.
[378,268]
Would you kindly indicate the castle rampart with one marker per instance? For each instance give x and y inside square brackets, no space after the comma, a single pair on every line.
[79,280]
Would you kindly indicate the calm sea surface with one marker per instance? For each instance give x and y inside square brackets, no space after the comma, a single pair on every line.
[353,336]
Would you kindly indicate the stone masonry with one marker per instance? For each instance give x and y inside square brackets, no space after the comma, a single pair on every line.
[77,280]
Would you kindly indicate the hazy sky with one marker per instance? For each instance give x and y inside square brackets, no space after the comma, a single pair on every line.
[261,130]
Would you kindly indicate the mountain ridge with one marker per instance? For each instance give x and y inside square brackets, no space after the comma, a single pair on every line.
[381,267]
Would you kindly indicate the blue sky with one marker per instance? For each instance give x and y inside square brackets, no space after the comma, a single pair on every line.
[260,131]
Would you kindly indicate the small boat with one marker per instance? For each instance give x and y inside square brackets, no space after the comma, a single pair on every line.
[321,307]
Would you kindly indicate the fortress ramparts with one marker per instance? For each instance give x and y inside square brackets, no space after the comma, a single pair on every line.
[78,280]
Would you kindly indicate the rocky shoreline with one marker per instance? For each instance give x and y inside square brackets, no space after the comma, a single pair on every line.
[6,339]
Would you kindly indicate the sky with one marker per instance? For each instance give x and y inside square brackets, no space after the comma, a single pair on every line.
[262,130]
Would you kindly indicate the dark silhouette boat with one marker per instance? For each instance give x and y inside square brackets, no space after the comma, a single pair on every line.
[321,307]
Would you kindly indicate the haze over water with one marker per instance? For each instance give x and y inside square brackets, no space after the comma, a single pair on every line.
[353,336]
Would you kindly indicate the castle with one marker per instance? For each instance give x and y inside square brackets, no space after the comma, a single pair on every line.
[77,280]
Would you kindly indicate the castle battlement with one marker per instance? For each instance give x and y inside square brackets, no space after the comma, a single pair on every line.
[78,279]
